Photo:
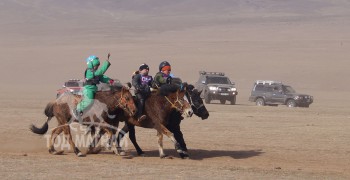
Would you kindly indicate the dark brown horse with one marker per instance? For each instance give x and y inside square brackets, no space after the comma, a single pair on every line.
[157,109]
[61,108]
[199,109]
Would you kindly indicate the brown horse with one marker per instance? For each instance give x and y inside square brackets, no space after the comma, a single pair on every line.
[199,109]
[61,108]
[157,109]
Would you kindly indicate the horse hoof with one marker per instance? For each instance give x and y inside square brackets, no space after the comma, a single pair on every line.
[81,154]
[142,154]
[164,156]
[122,153]
[184,155]
[56,152]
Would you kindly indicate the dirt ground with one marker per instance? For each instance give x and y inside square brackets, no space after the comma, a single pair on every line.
[237,142]
[305,44]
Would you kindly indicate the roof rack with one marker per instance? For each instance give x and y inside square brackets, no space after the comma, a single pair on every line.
[211,73]
[267,82]
[74,80]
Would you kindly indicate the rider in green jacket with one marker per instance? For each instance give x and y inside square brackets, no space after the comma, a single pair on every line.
[93,76]
[163,76]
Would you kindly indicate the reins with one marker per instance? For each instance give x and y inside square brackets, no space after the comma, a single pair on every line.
[173,105]
[120,102]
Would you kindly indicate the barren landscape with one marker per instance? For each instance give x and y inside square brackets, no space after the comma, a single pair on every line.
[302,43]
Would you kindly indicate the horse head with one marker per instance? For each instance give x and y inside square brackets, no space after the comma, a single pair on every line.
[178,102]
[196,102]
[125,100]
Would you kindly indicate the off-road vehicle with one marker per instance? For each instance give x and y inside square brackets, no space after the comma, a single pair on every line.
[216,86]
[75,86]
[274,93]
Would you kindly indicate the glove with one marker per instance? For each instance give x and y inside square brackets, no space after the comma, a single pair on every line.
[111,81]
[153,90]
[168,80]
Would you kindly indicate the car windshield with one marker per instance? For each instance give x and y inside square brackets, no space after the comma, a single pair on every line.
[218,80]
[288,89]
[72,84]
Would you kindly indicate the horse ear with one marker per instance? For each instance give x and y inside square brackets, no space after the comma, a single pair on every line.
[190,87]
[128,84]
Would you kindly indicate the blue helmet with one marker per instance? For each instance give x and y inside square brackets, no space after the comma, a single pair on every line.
[92,61]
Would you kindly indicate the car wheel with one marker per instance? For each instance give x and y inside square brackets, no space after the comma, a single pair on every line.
[233,100]
[207,99]
[291,103]
[260,102]
[222,101]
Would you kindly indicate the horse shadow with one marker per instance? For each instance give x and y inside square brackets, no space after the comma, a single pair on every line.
[200,154]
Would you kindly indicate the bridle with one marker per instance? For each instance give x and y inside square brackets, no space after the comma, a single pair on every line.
[120,103]
[191,102]
[173,104]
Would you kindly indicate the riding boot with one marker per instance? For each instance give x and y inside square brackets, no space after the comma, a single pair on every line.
[140,103]
[77,115]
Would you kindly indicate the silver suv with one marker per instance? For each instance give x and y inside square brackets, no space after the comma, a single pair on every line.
[216,86]
[274,93]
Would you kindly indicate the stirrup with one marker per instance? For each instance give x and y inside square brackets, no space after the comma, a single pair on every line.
[141,118]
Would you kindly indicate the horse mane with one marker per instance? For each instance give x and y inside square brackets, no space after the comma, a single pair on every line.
[190,87]
[167,89]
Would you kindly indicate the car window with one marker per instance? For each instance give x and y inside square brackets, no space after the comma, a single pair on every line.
[71,84]
[269,89]
[259,87]
[288,89]
[218,80]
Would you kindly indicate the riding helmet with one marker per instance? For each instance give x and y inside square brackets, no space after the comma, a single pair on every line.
[92,61]
[163,64]
[143,66]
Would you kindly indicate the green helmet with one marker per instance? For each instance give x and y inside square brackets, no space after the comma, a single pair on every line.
[92,61]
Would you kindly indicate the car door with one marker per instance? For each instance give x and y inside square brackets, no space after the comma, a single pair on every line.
[268,93]
[278,95]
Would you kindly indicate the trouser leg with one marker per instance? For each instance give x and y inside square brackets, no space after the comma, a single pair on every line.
[88,99]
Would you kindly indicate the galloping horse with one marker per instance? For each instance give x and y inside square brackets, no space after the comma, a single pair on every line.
[173,123]
[61,108]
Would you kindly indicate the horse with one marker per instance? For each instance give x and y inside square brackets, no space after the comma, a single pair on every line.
[62,107]
[173,124]
[199,109]
[157,108]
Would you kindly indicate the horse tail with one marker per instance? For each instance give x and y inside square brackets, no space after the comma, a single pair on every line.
[49,110]
[49,113]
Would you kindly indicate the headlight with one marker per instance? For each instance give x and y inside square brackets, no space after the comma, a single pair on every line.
[212,88]
[232,89]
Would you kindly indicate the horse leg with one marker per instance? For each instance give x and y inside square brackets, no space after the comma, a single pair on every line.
[53,137]
[182,153]
[132,136]
[68,134]
[175,129]
[121,133]
[92,147]
[160,145]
